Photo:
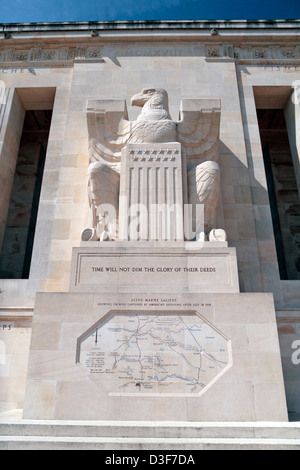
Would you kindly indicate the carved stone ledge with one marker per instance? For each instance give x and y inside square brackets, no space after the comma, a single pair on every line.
[271,62]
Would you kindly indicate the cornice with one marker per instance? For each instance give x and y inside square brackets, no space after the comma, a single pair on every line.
[151,25]
[13,33]
[63,44]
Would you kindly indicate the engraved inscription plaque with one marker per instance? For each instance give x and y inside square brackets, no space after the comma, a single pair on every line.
[155,270]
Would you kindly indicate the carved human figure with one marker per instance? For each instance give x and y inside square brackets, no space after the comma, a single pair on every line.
[110,131]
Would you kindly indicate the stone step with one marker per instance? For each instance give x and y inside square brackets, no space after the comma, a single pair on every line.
[152,444]
[116,435]
[141,429]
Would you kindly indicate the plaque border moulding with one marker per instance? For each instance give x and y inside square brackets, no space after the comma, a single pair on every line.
[106,318]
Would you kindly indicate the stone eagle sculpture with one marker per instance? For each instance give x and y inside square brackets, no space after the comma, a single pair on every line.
[110,131]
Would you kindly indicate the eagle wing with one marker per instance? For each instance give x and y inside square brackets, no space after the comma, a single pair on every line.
[198,129]
[204,184]
[109,130]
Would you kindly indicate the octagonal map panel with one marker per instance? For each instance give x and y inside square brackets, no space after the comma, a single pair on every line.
[154,353]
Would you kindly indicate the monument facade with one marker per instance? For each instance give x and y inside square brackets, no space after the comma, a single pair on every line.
[158,252]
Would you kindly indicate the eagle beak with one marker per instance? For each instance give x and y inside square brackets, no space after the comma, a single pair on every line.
[139,100]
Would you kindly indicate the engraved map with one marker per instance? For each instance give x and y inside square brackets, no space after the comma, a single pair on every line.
[154,353]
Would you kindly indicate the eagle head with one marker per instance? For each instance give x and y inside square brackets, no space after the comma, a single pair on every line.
[155,104]
[147,94]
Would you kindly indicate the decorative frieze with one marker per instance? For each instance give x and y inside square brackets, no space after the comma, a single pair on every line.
[51,56]
[219,51]
[252,53]
[70,54]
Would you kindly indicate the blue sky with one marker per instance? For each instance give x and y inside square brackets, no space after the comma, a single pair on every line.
[111,10]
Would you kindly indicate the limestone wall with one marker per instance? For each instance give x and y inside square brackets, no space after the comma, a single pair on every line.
[241,76]
[185,73]
[15,335]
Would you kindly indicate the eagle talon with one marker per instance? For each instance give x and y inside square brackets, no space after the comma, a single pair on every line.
[217,235]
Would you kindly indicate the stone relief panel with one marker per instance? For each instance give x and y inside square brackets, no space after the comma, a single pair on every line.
[110,132]
[154,353]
